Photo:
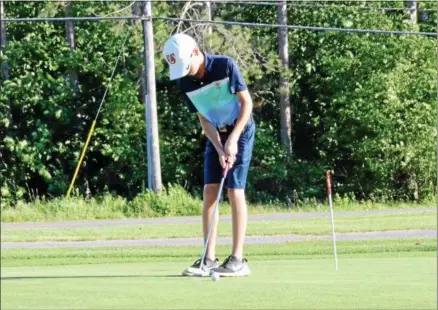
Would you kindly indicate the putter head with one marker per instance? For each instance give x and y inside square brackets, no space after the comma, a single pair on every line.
[196,272]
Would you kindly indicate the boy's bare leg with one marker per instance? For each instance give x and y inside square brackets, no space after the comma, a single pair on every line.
[210,195]
[240,218]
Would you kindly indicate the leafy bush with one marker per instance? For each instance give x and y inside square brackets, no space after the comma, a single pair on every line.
[363,106]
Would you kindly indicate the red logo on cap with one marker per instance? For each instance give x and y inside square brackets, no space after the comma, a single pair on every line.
[171,58]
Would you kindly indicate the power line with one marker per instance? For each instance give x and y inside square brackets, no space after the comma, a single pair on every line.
[241,1]
[298,27]
[120,10]
[295,1]
[328,6]
[290,3]
[74,19]
[332,6]
[93,124]
[256,25]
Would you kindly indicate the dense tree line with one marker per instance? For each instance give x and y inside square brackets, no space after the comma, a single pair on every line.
[362,105]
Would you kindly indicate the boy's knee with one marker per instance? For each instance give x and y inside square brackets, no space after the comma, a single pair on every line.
[236,194]
[210,191]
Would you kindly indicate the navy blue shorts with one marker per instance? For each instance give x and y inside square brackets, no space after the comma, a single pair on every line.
[239,172]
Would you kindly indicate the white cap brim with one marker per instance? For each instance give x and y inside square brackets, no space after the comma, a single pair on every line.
[177,72]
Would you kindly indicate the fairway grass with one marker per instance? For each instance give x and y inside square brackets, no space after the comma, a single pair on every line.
[370,282]
[373,274]
[311,226]
[293,250]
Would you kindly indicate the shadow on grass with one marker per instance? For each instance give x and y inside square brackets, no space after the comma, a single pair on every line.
[91,277]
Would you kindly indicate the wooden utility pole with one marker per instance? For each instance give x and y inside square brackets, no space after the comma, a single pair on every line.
[285,108]
[153,148]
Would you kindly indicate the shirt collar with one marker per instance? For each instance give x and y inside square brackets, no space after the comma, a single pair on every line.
[208,61]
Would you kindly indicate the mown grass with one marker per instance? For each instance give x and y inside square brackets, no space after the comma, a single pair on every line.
[310,226]
[373,274]
[292,250]
[373,281]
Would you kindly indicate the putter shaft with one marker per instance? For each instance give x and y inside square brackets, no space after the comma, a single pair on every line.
[219,193]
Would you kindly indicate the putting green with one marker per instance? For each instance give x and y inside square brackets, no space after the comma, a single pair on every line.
[374,281]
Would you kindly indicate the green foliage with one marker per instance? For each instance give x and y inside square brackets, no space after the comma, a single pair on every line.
[173,201]
[363,106]
[379,123]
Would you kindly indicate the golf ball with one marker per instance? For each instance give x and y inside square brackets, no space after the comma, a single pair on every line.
[214,276]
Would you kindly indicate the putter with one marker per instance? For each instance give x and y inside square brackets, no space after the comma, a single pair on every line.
[328,179]
[219,193]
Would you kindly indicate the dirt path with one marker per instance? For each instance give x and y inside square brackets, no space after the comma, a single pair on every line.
[224,240]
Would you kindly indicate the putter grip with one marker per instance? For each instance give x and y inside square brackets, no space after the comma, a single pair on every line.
[225,171]
[328,181]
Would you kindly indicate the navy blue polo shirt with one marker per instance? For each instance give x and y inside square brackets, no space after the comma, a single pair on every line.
[214,96]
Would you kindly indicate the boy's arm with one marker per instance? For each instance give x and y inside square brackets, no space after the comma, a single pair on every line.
[213,135]
[231,146]
[245,114]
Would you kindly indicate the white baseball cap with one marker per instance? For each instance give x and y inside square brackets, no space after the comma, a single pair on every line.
[178,51]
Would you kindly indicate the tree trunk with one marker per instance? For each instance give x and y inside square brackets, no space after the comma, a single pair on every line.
[135,12]
[209,28]
[73,78]
[70,36]
[413,11]
[141,73]
[285,108]
[4,66]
